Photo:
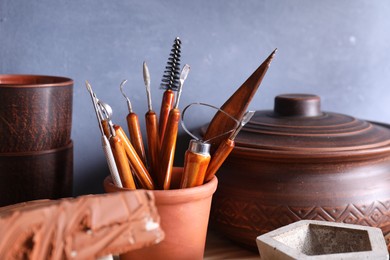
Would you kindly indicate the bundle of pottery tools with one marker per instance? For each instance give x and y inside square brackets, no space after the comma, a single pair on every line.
[129,165]
[132,168]
[206,155]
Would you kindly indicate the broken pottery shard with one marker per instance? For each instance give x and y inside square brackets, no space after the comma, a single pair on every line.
[87,227]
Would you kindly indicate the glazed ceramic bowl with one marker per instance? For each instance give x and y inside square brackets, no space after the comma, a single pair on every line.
[36,175]
[35,112]
[297,162]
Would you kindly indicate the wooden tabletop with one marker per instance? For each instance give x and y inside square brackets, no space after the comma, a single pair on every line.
[219,247]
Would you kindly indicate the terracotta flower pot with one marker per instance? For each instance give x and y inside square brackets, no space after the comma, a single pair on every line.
[184,217]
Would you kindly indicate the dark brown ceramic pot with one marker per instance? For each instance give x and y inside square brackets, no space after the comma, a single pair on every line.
[36,175]
[35,112]
[297,162]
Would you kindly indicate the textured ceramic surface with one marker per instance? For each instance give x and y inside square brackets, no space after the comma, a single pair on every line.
[184,219]
[310,239]
[298,162]
[35,112]
[36,175]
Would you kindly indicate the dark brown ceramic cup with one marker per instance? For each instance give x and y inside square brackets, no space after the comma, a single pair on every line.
[35,112]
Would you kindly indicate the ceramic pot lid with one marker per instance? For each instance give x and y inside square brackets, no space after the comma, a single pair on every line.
[298,124]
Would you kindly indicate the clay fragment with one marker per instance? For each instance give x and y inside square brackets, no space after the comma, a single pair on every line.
[87,227]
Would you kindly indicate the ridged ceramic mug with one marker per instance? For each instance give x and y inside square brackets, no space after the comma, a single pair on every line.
[35,112]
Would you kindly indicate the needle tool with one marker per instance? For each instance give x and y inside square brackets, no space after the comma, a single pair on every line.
[169,140]
[236,105]
[225,147]
[170,82]
[105,144]
[139,169]
[151,128]
[103,122]
[118,150]
[134,127]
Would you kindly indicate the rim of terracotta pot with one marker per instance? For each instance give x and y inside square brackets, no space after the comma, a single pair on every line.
[174,196]
[33,81]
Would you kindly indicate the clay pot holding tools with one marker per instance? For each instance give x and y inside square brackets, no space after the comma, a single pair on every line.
[35,127]
[184,217]
[298,162]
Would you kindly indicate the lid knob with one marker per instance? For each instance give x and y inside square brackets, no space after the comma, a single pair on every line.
[297,105]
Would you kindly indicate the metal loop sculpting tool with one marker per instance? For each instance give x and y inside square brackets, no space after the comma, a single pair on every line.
[225,148]
[197,157]
[236,122]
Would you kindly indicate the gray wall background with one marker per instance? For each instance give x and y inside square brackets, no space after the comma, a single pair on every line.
[336,49]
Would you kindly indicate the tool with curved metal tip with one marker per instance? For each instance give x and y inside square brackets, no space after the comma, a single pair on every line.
[105,144]
[236,105]
[168,145]
[151,122]
[118,151]
[134,127]
[140,171]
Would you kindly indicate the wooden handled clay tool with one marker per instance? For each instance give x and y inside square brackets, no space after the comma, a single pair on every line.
[118,151]
[103,121]
[139,169]
[170,82]
[151,128]
[134,127]
[197,157]
[196,160]
[105,144]
[225,147]
[236,105]
[168,145]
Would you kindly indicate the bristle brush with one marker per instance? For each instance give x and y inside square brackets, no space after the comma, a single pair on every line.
[170,82]
[168,144]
